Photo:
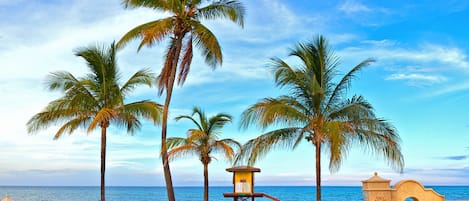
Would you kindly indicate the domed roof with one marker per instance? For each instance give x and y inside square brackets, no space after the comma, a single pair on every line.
[376,179]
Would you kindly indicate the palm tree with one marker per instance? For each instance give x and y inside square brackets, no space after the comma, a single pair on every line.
[96,100]
[202,141]
[316,110]
[183,29]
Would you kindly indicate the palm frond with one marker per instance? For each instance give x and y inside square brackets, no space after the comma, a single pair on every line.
[229,9]
[189,118]
[141,77]
[232,143]
[165,77]
[105,115]
[217,122]
[146,109]
[226,149]
[176,142]
[270,111]
[302,84]
[182,152]
[284,74]
[202,118]
[185,64]
[161,5]
[258,147]
[344,83]
[61,80]
[206,41]
[58,110]
[126,120]
[195,135]
[380,137]
[150,33]
[355,108]
[338,137]
[72,125]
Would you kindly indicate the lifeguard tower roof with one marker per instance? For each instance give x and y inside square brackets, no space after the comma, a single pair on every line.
[243,169]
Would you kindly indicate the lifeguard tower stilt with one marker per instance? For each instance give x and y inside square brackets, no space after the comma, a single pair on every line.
[243,184]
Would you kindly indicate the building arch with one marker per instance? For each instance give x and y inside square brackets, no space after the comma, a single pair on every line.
[413,189]
[379,189]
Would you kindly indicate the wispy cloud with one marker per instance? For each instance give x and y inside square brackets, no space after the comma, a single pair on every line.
[451,57]
[427,64]
[457,158]
[365,14]
[449,89]
[351,7]
[380,43]
[417,79]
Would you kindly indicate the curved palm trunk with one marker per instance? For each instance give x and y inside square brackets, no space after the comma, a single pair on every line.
[164,126]
[103,161]
[317,144]
[205,182]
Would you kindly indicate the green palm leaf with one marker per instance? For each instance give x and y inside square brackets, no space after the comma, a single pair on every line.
[316,109]
[232,10]
[96,100]
[150,33]
[202,141]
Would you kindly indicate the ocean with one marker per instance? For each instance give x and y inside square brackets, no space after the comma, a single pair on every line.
[284,193]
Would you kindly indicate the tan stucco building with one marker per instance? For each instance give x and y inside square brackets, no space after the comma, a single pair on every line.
[379,189]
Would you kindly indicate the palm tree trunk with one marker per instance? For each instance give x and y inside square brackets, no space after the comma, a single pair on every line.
[317,144]
[164,126]
[205,182]
[103,161]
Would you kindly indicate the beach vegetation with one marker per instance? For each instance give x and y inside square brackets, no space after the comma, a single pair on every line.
[203,141]
[183,30]
[96,100]
[316,110]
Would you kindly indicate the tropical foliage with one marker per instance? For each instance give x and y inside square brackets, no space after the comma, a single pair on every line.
[96,100]
[183,29]
[316,109]
[203,141]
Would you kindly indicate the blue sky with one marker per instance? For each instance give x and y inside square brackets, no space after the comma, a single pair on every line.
[419,83]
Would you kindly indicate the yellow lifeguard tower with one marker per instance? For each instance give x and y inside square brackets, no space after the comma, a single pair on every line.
[243,184]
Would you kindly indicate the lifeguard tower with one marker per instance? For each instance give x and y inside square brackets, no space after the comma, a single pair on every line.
[243,184]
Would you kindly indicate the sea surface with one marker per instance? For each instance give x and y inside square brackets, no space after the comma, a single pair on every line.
[284,193]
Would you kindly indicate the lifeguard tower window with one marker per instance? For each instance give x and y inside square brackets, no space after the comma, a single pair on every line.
[242,186]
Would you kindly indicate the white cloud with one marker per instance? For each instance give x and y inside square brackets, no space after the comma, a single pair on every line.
[351,6]
[449,89]
[450,57]
[45,42]
[380,43]
[417,79]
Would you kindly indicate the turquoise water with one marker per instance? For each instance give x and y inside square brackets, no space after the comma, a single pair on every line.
[284,193]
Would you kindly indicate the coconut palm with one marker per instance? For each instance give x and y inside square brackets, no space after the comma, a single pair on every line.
[203,141]
[96,100]
[316,110]
[184,30]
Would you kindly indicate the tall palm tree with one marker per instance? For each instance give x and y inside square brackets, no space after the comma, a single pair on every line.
[96,100]
[184,30]
[316,109]
[203,140]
